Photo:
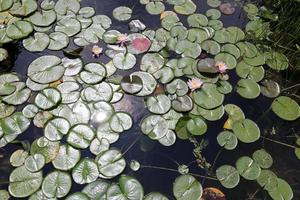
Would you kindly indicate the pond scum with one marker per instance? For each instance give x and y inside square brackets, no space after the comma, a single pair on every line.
[73,100]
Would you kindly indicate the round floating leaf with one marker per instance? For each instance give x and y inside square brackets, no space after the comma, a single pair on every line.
[246,131]
[19,29]
[277,61]
[100,92]
[45,69]
[35,163]
[47,98]
[122,13]
[248,49]
[56,128]
[188,49]
[47,4]
[154,126]
[135,165]
[248,88]
[159,104]
[44,19]
[232,49]
[286,108]
[66,158]
[102,113]
[4,195]
[120,122]
[18,158]
[76,114]
[181,128]
[139,43]
[23,8]
[58,41]
[155,196]
[132,84]
[186,9]
[270,88]
[78,196]
[244,70]
[93,73]
[283,191]
[96,189]
[207,65]
[62,6]
[57,184]
[196,126]
[20,95]
[182,104]
[228,176]
[197,20]
[247,168]
[5,5]
[111,163]
[86,171]
[7,110]
[124,61]
[37,43]
[208,96]
[268,180]
[69,26]
[80,136]
[23,183]
[227,140]
[73,66]
[155,7]
[262,158]
[152,62]
[224,87]
[228,59]
[128,188]
[45,147]
[187,187]
[149,83]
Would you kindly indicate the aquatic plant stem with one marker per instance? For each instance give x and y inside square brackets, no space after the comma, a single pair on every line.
[131,145]
[174,170]
[291,87]
[281,143]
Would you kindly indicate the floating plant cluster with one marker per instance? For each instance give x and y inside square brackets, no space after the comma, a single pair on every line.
[74,100]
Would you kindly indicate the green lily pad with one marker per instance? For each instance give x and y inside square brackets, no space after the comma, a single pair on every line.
[66,158]
[270,88]
[35,163]
[214,3]
[122,13]
[286,108]
[181,128]
[248,88]
[56,128]
[232,49]
[44,19]
[159,104]
[18,158]
[37,43]
[20,95]
[187,8]
[197,20]
[23,183]
[187,187]
[283,191]
[228,59]
[19,29]
[80,136]
[62,6]
[47,4]
[5,5]
[198,35]
[149,83]
[45,147]
[169,139]
[120,122]
[124,61]
[182,104]
[23,8]
[78,196]
[86,171]
[228,176]
[268,180]
[262,158]
[93,73]
[152,62]
[246,131]
[155,196]
[248,49]
[155,7]
[227,140]
[277,61]
[245,70]
[58,41]
[188,49]
[57,184]
[213,13]
[69,26]
[96,189]
[247,168]
[196,126]
[47,98]
[154,126]
[211,47]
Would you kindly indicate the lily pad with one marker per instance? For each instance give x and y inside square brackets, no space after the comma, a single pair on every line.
[286,108]
[152,62]
[248,88]
[149,83]
[228,59]
[86,171]
[58,41]
[246,131]
[154,126]
[277,61]
[120,122]
[155,7]
[44,19]
[155,196]
[247,168]
[47,98]
[186,9]
[262,158]
[159,104]
[37,43]
[20,95]
[23,8]
[139,43]
[66,158]
[56,128]
[270,88]
[132,84]
[18,158]
[45,147]
[187,187]
[57,184]
[196,126]
[197,20]
[35,163]
[227,140]
[5,5]
[69,26]
[93,73]
[122,13]
[62,6]
[124,61]
[228,176]
[283,191]
[80,136]
[19,29]
[96,189]
[188,49]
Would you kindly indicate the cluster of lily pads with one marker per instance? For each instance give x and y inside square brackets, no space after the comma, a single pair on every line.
[74,101]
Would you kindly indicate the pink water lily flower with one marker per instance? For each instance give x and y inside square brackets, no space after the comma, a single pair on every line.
[122,40]
[221,66]
[97,51]
[194,84]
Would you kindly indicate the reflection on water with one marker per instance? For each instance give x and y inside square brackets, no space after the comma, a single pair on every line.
[149,152]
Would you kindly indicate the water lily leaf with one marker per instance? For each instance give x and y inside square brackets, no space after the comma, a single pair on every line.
[246,131]
[45,69]
[159,104]
[96,189]
[111,163]
[35,163]
[232,49]
[120,122]
[277,61]
[169,139]
[164,75]
[181,128]
[228,176]
[18,158]
[56,128]
[41,118]
[122,13]
[248,49]
[47,98]
[128,188]
[187,187]
[197,20]
[139,43]
[248,88]
[4,37]
[44,19]
[228,59]
[235,33]
[182,104]
[103,20]
[78,196]
[80,136]
[5,5]
[47,4]
[180,32]
[93,33]
[6,110]
[85,171]
[227,140]
[23,183]
[45,147]
[100,92]
[186,9]
[78,113]
[23,8]
[93,73]
[188,49]
[62,6]
[111,36]
[6,83]
[196,126]
[154,126]
[268,180]
[19,96]
[87,12]
[73,66]
[132,84]
[262,158]
[247,168]
[102,112]
[172,118]
[283,191]
[169,21]
[57,184]
[124,61]
[105,132]
[207,65]
[257,60]
[37,43]
[155,7]
[58,41]
[155,196]
[198,35]
[152,62]
[19,29]
[66,158]
[245,70]
[69,26]
[39,195]
[270,88]
[149,83]
[211,47]
[208,97]
[98,146]
[210,115]
[286,108]
[135,165]
[4,195]
[224,87]
[214,3]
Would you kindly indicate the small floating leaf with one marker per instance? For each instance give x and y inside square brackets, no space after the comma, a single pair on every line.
[122,13]
[286,108]
[247,168]
[227,140]
[187,187]
[246,131]
[86,171]
[228,176]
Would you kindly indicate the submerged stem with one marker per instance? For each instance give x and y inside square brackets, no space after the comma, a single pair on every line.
[278,142]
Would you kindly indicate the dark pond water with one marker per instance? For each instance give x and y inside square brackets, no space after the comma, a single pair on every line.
[285,164]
